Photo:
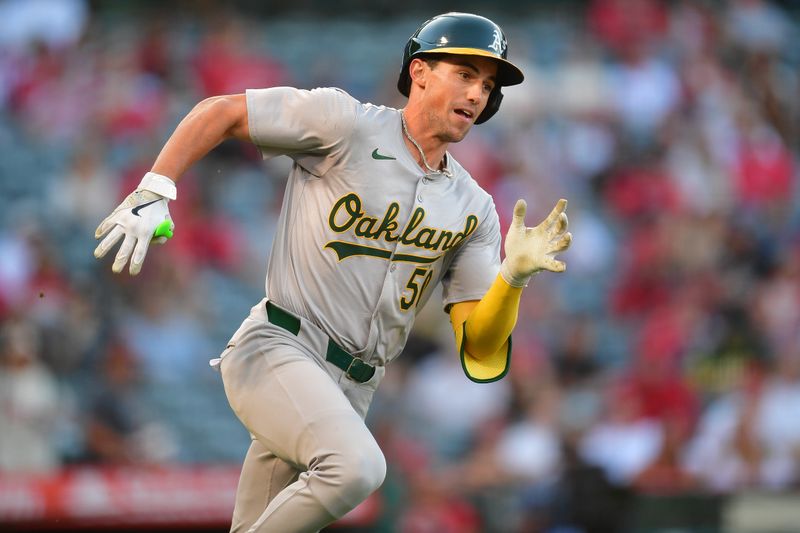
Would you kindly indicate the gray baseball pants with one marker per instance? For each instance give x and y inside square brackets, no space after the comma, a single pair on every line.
[312,458]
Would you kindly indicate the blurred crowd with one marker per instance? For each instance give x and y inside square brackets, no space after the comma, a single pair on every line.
[666,360]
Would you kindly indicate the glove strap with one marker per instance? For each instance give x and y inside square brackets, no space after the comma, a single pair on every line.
[159,184]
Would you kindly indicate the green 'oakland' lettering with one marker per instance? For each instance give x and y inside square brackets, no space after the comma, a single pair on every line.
[347,213]
[352,205]
[365,226]
[413,222]
[389,225]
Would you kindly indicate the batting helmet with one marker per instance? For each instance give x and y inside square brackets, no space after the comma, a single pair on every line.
[463,34]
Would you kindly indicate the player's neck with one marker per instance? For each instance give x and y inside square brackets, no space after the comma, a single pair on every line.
[426,142]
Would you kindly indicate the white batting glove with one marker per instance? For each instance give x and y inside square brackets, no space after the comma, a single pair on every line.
[141,218]
[531,250]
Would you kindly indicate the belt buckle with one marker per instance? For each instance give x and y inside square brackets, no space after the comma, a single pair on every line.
[355,364]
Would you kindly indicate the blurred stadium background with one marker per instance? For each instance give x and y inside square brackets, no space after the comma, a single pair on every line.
[655,386]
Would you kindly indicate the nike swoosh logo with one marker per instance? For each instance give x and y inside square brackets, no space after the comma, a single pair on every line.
[138,208]
[376,155]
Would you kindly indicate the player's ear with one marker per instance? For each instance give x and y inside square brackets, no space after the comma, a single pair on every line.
[418,70]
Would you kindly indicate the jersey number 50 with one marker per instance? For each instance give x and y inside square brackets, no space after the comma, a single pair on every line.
[411,300]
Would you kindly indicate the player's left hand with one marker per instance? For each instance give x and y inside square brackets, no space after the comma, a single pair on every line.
[143,217]
[531,250]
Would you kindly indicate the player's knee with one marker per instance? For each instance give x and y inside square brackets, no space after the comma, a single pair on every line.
[363,471]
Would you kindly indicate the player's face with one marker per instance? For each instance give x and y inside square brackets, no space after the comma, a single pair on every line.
[456,93]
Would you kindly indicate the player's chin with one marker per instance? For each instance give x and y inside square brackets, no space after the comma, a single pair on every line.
[457,132]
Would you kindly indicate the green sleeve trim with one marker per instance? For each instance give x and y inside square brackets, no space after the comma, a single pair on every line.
[461,351]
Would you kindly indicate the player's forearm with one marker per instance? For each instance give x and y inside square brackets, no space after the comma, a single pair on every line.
[490,323]
[211,121]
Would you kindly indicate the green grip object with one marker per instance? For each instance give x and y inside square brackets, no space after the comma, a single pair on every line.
[163,230]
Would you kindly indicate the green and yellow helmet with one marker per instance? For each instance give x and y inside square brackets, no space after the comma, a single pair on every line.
[463,34]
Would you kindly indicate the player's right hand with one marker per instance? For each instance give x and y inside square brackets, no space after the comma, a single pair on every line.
[531,250]
[141,218]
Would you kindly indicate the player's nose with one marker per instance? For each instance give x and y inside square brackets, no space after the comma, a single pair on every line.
[474,92]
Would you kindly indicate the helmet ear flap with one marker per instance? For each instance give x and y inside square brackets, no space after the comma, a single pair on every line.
[492,106]
[404,82]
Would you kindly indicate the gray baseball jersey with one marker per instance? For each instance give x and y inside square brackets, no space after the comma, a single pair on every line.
[364,234]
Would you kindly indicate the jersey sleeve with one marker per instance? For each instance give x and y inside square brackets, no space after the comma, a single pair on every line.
[311,127]
[476,264]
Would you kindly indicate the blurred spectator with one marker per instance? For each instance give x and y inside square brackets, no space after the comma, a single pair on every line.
[528,451]
[58,23]
[776,305]
[626,24]
[434,507]
[642,191]
[758,25]
[764,169]
[118,428]
[646,91]
[692,27]
[667,474]
[132,103]
[225,63]
[595,252]
[30,402]
[624,442]
[750,437]
[88,191]
[701,179]
[155,53]
[15,270]
[527,459]
[644,257]
[445,408]
[46,72]
[208,236]
[584,498]
[737,345]
[578,375]
[654,380]
[163,334]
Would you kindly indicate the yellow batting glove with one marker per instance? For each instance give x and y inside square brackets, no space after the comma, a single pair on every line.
[531,250]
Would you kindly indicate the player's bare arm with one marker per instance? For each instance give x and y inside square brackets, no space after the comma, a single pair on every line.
[211,122]
[143,217]
[488,323]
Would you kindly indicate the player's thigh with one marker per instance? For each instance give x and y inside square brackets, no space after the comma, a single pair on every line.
[290,404]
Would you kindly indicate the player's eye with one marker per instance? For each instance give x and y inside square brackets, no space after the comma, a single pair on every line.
[464,75]
[488,87]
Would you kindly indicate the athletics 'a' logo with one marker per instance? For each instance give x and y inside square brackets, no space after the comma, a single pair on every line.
[498,44]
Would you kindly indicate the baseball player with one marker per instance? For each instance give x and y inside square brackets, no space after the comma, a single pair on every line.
[376,213]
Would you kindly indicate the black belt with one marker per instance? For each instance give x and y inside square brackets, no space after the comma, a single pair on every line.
[353,367]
